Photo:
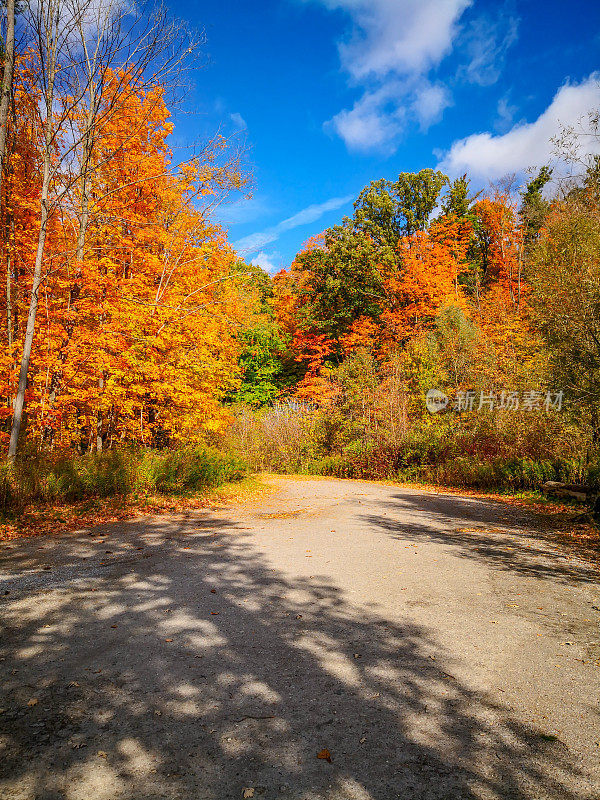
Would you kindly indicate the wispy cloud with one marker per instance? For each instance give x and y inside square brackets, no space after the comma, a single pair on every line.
[239,122]
[525,144]
[270,262]
[487,41]
[256,241]
[505,115]
[245,209]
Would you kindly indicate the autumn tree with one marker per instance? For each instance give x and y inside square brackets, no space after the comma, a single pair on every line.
[76,44]
[564,270]
[426,278]
[534,207]
[386,210]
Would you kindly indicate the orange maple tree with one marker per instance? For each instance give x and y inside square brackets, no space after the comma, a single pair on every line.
[136,341]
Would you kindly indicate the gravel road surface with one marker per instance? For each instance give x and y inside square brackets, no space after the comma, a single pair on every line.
[335,640]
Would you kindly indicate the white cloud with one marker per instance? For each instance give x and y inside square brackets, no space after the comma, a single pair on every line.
[271,263]
[402,36]
[239,122]
[376,120]
[392,46]
[379,118]
[526,144]
[256,241]
[430,102]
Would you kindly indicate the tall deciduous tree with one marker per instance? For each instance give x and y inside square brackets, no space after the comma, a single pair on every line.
[77,43]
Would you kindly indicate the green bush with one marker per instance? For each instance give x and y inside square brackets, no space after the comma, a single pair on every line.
[188,469]
[335,466]
[43,478]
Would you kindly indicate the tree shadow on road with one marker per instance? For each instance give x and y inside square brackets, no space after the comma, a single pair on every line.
[189,668]
[500,536]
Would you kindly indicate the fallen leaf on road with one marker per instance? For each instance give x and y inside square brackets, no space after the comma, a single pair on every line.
[248,793]
[325,755]
[102,754]
[168,640]
[33,702]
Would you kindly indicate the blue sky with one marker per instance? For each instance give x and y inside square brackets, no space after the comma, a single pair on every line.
[330,94]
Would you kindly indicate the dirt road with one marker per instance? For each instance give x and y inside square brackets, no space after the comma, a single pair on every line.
[424,646]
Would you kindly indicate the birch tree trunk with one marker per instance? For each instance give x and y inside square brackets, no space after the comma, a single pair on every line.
[51,50]
[7,80]
[6,92]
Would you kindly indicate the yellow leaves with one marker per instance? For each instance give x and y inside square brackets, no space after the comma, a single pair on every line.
[137,340]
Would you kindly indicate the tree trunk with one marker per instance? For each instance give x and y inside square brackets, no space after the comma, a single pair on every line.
[5,96]
[9,313]
[100,419]
[7,80]
[39,256]
[86,169]
[30,330]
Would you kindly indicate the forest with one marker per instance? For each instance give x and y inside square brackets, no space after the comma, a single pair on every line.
[140,352]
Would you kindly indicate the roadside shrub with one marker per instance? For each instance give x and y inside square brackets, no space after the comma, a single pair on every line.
[44,478]
[334,466]
[188,469]
[514,452]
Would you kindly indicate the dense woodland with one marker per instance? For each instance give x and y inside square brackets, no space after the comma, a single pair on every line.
[492,297]
[131,326]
